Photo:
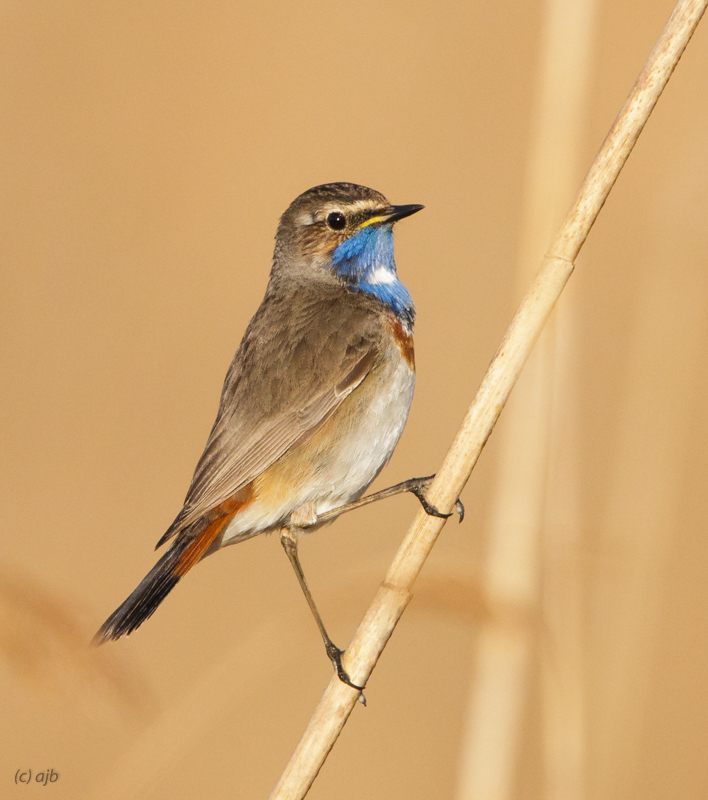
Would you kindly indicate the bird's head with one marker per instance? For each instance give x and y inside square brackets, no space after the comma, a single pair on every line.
[345,231]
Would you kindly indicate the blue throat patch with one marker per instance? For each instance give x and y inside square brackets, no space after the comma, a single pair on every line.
[365,261]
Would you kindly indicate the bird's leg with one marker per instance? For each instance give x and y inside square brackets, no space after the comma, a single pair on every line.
[288,538]
[417,486]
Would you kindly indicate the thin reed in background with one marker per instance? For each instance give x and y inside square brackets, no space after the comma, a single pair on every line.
[525,520]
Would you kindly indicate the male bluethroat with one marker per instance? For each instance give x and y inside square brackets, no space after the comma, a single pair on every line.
[314,402]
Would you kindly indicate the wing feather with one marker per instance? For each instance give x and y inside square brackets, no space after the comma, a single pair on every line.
[318,348]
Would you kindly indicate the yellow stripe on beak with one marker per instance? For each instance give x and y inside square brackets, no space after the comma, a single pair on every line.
[392,214]
[371,221]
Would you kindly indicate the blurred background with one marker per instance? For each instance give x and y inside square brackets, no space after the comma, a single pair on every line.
[557,645]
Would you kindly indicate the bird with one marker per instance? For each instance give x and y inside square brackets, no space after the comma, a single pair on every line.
[313,404]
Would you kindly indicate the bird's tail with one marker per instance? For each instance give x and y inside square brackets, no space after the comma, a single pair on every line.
[159,582]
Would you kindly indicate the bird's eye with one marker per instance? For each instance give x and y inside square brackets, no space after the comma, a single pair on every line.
[336,221]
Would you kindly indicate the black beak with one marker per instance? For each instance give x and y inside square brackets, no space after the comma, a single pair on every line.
[394,213]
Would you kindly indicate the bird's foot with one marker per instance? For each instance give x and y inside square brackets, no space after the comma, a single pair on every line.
[335,656]
[419,487]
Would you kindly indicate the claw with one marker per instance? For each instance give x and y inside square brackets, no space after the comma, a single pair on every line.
[460,509]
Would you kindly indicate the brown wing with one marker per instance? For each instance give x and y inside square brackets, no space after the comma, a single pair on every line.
[304,352]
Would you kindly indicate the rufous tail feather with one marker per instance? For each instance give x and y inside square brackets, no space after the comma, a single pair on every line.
[159,582]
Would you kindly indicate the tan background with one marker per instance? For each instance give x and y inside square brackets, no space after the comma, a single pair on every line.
[147,151]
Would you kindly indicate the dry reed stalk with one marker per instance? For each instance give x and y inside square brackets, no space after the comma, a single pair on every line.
[563,659]
[525,518]
[395,592]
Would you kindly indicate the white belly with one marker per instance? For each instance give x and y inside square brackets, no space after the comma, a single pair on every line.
[365,450]
[348,464]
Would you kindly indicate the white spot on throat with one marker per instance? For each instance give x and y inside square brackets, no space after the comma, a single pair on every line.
[382,275]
